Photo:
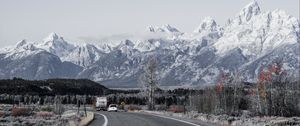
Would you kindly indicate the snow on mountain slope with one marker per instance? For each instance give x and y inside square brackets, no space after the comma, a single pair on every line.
[257,33]
[147,45]
[248,41]
[30,62]
[165,28]
[56,45]
[206,34]
[249,11]
[21,49]
[288,56]
[84,55]
[208,25]
[104,48]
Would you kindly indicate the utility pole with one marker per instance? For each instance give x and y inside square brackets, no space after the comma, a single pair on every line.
[190,98]
[78,105]
[84,105]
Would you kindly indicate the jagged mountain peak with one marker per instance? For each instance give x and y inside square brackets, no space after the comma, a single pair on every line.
[169,28]
[207,24]
[21,43]
[165,28]
[249,11]
[24,45]
[55,44]
[188,59]
[127,43]
[53,37]
[258,33]
[104,48]
[53,40]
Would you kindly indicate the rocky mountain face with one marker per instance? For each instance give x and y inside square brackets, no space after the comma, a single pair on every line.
[248,42]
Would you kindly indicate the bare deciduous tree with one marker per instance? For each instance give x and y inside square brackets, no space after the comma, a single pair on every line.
[149,80]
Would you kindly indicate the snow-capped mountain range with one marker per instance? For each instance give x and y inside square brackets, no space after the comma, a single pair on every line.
[246,43]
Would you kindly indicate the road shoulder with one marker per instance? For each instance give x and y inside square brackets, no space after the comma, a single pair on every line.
[88,119]
[194,121]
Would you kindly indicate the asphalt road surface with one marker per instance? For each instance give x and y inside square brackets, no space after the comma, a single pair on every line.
[136,119]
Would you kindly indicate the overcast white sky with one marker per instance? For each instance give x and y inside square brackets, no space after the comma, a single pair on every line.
[73,19]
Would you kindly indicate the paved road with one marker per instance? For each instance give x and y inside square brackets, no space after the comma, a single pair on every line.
[135,119]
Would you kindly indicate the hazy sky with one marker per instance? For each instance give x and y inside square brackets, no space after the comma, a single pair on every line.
[73,19]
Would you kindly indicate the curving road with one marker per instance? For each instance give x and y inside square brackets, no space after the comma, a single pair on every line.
[136,119]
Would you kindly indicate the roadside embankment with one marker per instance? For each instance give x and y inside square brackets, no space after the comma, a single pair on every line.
[230,120]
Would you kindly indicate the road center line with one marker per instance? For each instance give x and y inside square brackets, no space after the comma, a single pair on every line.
[105,119]
[175,119]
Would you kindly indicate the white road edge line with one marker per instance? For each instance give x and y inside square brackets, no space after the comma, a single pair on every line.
[176,119]
[105,119]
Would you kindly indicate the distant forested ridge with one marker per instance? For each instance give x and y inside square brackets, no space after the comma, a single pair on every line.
[18,86]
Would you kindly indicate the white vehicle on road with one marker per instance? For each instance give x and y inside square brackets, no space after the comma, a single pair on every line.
[112,107]
[101,103]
